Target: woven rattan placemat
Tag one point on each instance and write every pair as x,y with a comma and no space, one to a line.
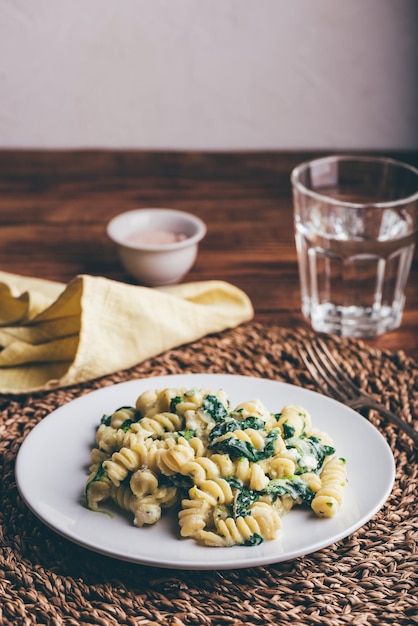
368,578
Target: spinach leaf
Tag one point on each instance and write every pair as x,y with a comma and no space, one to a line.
292,486
174,402
254,540
237,448
106,419
322,450
230,424
288,431
125,426
251,422
310,453
215,408
243,498
184,483
101,473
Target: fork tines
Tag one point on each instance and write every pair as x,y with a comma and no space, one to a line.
327,372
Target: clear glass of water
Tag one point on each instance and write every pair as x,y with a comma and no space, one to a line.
356,222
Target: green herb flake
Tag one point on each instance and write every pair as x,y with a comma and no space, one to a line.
125,426
106,419
188,434
174,402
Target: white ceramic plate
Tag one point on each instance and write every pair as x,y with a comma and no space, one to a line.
51,472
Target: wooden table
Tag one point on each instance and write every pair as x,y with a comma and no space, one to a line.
54,207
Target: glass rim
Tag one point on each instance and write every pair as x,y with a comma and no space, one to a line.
343,203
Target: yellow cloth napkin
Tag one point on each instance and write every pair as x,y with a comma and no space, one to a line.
54,335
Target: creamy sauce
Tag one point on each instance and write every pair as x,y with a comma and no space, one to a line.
304,459
159,237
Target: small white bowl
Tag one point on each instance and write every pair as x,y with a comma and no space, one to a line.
157,246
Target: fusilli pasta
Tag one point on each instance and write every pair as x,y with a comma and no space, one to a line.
232,473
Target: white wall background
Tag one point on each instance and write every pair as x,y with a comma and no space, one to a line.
209,74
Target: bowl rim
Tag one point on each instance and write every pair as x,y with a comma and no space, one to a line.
184,216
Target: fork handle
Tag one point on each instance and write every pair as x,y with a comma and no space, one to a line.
392,417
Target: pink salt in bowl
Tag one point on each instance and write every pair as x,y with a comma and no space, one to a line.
157,246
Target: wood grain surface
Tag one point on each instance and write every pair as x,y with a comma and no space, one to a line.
54,207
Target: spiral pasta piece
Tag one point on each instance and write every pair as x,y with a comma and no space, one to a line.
216,491
197,446
173,460
109,439
98,487
147,510
329,497
295,419
281,466
312,480
143,482
158,424
262,523
123,497
253,408
147,403
323,437
121,463
200,469
193,517
97,457
251,474
143,452
225,464
221,466
249,435
146,507
122,416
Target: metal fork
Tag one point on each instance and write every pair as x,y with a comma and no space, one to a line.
334,382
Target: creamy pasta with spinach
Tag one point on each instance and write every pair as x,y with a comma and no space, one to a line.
231,473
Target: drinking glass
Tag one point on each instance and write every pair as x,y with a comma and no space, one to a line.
355,223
